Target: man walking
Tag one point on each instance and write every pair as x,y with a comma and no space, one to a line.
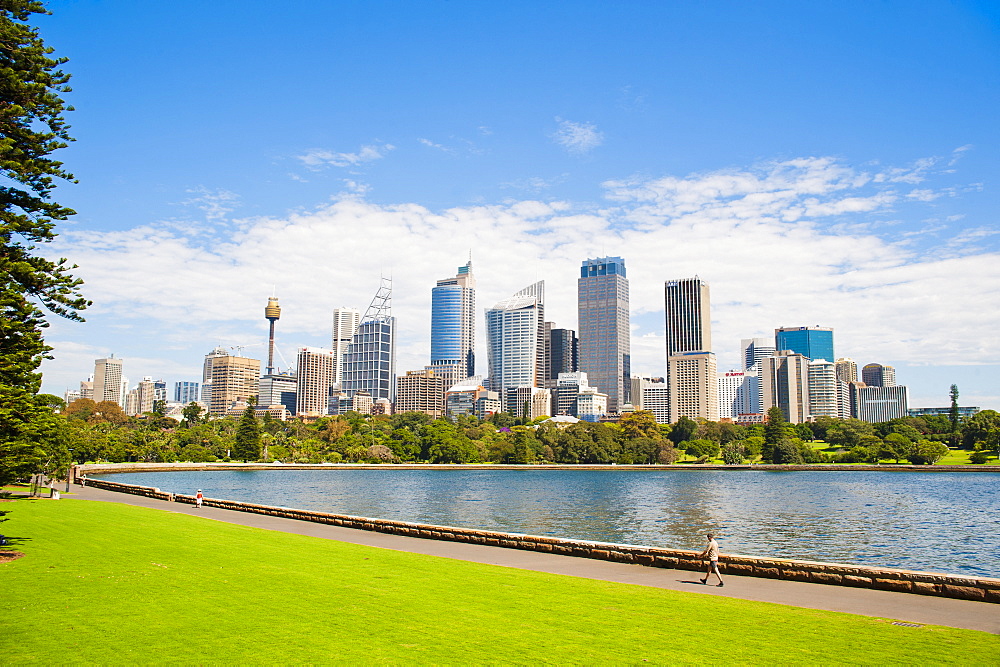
711,552
198,499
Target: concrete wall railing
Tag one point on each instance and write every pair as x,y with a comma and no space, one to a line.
906,581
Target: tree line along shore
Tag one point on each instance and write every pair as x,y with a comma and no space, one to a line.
86,431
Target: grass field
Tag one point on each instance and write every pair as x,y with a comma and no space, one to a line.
109,583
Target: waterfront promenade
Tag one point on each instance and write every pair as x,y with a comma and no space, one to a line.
904,607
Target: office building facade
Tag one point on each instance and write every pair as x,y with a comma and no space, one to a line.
279,389
314,379
603,326
453,323
811,342
370,361
879,404
692,379
877,375
234,379
420,391
752,350
515,346
824,391
108,381
345,324
846,369
561,353
784,382
651,394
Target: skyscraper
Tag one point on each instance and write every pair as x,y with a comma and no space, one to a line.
755,349
453,325
108,381
604,334
561,354
847,370
314,377
345,323
873,375
370,360
206,373
784,382
515,345
186,392
692,379
812,342
234,379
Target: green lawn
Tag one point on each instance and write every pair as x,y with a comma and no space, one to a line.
108,583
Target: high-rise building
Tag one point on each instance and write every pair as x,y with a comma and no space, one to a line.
846,369
604,332
108,381
561,347
692,379
879,404
651,394
345,324
186,392
568,387
314,377
87,388
784,382
234,380
877,375
737,391
752,350
420,391
812,342
515,343
370,360
206,373
279,389
453,322
824,392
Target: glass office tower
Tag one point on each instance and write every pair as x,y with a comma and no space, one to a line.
812,342
604,348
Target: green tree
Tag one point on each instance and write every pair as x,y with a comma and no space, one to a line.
683,430
639,424
247,444
32,127
926,452
776,426
977,427
953,410
191,414
895,446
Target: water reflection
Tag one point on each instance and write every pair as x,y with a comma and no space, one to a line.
928,521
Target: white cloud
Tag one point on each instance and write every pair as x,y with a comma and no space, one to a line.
440,147
577,137
781,244
319,158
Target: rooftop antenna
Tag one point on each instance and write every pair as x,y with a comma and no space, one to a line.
381,305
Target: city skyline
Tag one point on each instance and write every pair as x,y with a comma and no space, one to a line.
808,163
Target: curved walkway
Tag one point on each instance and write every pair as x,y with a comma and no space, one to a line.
904,607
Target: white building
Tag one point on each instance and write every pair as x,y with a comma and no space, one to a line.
345,324
515,341
823,389
591,404
314,377
651,394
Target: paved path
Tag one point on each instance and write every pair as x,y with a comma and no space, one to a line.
886,604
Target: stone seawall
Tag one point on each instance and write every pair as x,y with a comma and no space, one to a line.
906,581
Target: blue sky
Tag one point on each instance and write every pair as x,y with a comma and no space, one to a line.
817,163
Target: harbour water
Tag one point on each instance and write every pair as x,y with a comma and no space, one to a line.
941,522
